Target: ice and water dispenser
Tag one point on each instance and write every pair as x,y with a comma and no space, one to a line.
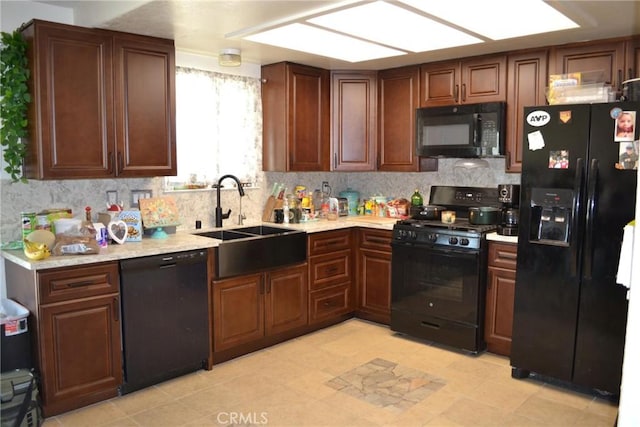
551,213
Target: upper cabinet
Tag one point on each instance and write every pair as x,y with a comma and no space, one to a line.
606,57
398,98
474,80
353,120
526,85
103,103
295,108
632,58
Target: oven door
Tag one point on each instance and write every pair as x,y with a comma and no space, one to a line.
436,282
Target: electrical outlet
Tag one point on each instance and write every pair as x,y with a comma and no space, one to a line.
325,187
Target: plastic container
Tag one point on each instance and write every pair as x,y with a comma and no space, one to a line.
15,340
353,197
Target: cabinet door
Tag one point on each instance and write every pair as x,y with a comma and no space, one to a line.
71,117
606,58
501,285
483,79
286,299
308,106
527,81
238,311
440,83
353,120
398,98
145,106
374,285
81,359
632,59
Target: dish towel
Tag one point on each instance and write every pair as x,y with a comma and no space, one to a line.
626,257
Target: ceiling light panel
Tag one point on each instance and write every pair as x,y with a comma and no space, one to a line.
394,26
497,19
306,38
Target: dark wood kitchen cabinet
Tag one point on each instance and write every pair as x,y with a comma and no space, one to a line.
353,120
501,284
632,58
470,81
248,308
526,86
398,98
296,118
374,275
76,328
604,58
330,276
103,103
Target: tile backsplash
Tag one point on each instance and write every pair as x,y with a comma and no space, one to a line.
195,205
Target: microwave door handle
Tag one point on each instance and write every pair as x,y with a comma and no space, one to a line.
477,131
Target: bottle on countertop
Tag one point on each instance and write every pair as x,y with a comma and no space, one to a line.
416,199
285,210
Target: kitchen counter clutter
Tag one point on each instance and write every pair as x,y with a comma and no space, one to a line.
184,241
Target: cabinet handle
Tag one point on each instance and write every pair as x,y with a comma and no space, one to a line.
620,78
456,92
332,270
380,241
80,284
464,92
335,160
110,162
262,285
508,159
327,304
120,162
268,279
116,309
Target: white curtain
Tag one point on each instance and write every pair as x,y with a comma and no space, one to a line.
218,122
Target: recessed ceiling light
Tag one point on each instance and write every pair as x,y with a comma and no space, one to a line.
498,19
394,26
306,38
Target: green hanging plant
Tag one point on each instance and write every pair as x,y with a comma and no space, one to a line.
14,101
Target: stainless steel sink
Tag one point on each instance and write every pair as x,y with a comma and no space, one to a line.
247,250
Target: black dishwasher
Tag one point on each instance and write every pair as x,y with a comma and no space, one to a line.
165,326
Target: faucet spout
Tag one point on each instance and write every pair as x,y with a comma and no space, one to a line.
219,215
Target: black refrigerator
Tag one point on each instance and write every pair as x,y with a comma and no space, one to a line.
579,173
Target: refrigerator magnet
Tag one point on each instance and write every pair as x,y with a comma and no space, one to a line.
628,156
535,140
625,126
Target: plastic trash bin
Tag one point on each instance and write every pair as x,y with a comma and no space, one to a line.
15,349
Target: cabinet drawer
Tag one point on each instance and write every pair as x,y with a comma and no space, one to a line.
329,303
330,241
68,283
375,239
330,269
503,255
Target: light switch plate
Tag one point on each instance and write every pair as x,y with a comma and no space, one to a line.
136,195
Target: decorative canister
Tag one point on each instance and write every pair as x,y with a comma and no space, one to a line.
353,198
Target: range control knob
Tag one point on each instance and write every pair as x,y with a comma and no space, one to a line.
453,240
432,237
464,242
402,234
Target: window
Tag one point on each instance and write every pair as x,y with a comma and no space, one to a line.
218,122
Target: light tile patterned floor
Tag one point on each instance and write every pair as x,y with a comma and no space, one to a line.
307,381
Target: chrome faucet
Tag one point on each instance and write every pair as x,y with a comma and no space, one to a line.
219,215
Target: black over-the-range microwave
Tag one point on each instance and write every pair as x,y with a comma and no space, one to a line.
471,130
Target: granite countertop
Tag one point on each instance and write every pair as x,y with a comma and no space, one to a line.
184,241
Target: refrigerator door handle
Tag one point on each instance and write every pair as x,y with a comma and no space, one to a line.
592,205
577,207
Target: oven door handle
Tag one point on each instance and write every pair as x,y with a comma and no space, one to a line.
436,249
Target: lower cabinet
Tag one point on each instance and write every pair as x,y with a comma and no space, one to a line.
374,275
248,308
79,336
501,284
330,275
